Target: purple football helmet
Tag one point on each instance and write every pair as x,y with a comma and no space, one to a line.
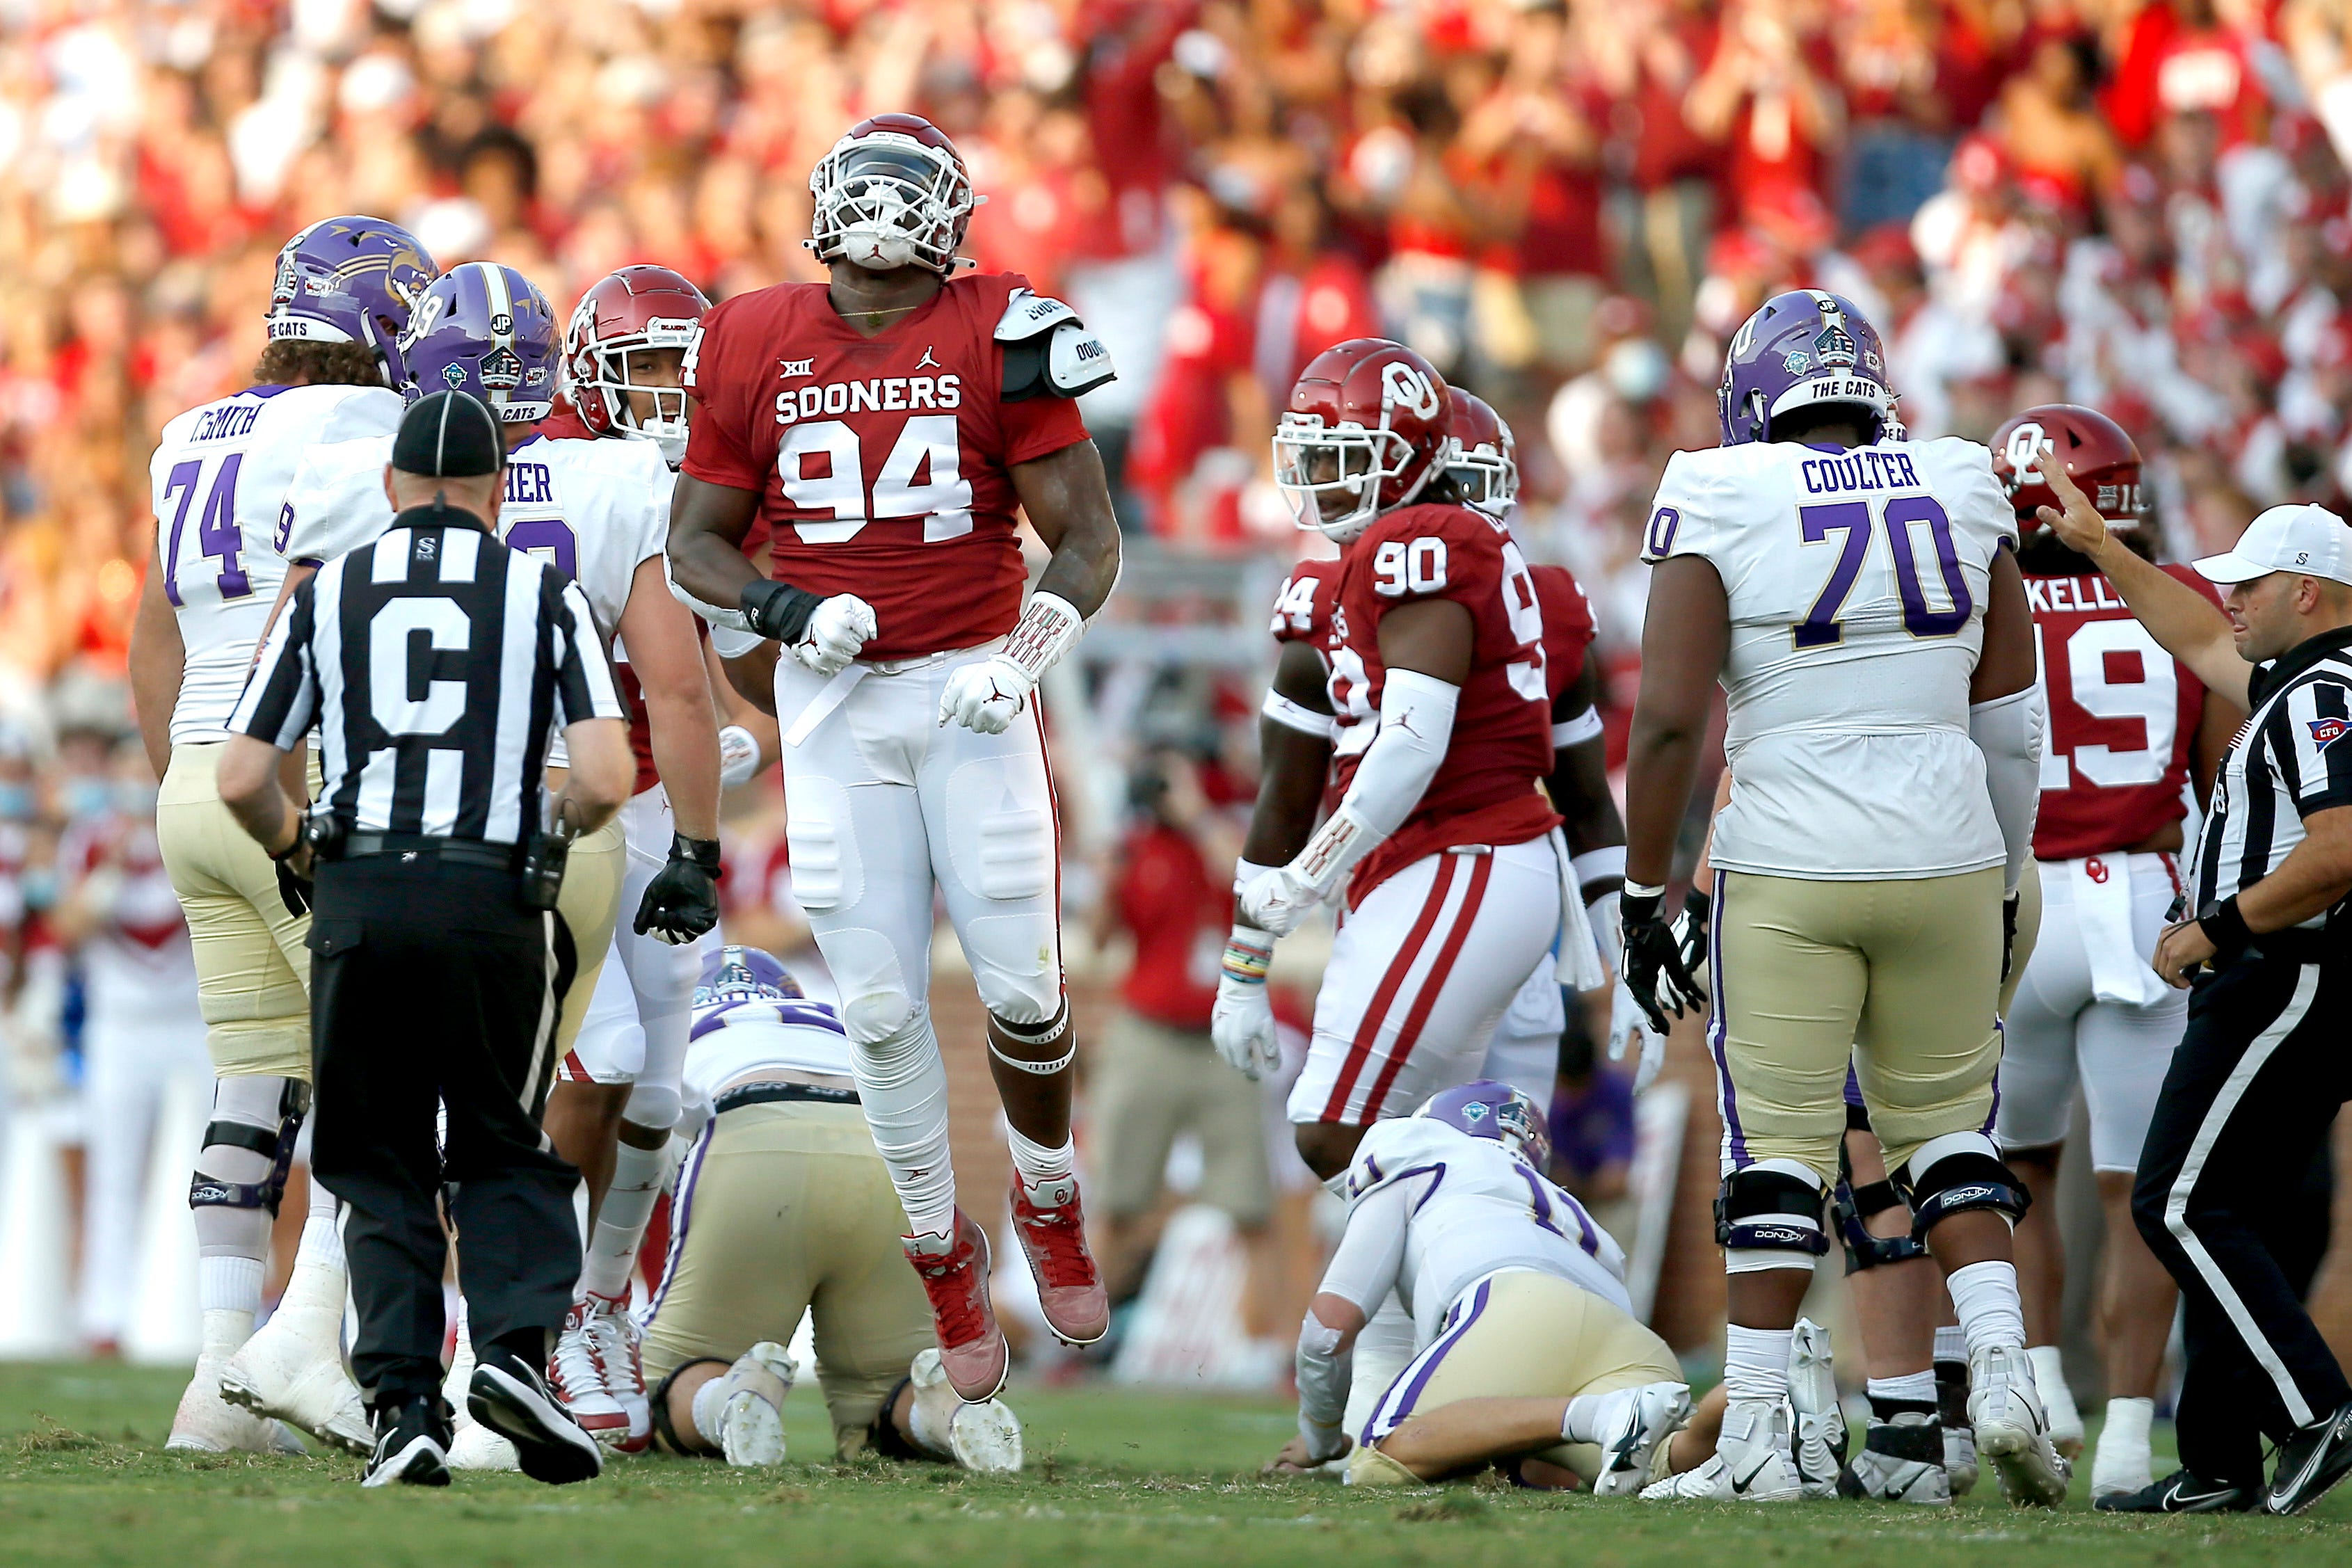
350,280
486,328
1801,349
1485,1109
743,974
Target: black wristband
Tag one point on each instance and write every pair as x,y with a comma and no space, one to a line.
778,610
1633,907
2225,928
703,852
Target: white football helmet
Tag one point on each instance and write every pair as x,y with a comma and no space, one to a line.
891,194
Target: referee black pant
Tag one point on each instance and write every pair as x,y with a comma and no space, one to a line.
432,987
2252,1091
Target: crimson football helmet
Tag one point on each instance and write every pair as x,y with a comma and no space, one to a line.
636,310
1480,454
891,194
1366,428
2100,457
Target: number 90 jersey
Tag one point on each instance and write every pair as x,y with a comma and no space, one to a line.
2123,716
1857,582
1485,791
881,464
220,475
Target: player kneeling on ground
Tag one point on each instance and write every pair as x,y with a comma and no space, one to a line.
1529,1351
784,1206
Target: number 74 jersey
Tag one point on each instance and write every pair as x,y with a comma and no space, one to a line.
219,478
1857,582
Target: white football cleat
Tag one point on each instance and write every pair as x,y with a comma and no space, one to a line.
1902,1460
1817,1422
752,1410
477,1447
207,1424
576,1378
2012,1432
281,1372
983,1437
613,1337
2057,1400
1639,1421
1750,1462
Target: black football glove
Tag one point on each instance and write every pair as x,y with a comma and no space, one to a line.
294,890
1654,968
2008,935
1690,929
682,900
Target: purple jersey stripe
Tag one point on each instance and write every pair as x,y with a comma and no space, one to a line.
1726,1097
681,1216
1397,1404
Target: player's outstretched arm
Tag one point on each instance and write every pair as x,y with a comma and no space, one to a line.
667,655
1068,498
1293,761
2181,618
158,657
1685,638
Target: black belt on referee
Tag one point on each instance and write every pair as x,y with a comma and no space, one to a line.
426,847
769,1093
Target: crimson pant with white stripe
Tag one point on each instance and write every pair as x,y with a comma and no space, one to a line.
2253,1087
1419,974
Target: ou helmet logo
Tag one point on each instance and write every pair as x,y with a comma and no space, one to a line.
1403,386
2024,450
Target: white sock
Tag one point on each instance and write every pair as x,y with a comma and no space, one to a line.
929,1435
1950,1343
315,1290
1985,1297
2128,1422
1038,1163
904,1085
2049,1369
1911,1388
1583,1421
620,1222
229,1289
1755,1363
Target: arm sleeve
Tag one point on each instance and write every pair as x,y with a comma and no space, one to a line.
2319,713
583,678
1370,1256
1325,1373
715,452
281,694
1416,727
2008,730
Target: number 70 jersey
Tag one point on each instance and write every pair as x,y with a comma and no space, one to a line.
1857,582
219,478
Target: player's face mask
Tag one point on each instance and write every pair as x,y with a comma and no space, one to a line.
1332,476
882,206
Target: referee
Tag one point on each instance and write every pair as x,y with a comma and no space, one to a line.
436,663
2256,1081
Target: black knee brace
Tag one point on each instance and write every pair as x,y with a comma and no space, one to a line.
1762,1210
1852,1207
275,1145
666,1430
882,1435
1956,1173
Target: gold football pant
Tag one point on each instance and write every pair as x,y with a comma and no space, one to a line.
1899,978
590,907
783,1207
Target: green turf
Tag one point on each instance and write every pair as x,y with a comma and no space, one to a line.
1115,1478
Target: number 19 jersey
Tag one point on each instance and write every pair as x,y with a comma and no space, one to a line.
1857,582
220,475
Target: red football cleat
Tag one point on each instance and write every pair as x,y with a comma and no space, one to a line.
1053,1232
954,1270
577,1380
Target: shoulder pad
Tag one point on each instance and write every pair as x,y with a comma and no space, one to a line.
1028,314
1066,362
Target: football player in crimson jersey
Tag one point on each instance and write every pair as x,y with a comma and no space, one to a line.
599,510
2129,727
1441,729
885,428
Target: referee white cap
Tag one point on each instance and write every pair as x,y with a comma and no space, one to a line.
2309,540
449,436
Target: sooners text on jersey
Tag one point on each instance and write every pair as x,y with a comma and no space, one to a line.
1485,792
882,464
2123,716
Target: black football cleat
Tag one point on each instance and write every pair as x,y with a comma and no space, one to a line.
2181,1492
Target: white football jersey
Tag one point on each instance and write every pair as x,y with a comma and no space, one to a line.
749,1035
1857,581
220,476
595,510
1477,1208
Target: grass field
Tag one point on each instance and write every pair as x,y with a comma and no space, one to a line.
1114,1477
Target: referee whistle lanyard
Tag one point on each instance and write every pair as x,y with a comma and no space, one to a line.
1579,952
829,696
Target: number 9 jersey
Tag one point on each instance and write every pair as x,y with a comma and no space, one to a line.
882,464
1856,581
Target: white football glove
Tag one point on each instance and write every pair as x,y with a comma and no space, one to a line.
988,695
1626,1027
1278,900
837,629
739,755
1241,1024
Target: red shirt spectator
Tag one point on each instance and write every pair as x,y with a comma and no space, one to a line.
1178,915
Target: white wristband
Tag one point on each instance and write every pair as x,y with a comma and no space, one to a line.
1594,864
1298,716
1047,629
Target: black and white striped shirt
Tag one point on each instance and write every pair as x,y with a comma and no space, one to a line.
436,663
2293,757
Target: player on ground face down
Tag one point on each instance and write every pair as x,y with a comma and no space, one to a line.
1447,855
883,428
1530,1354
599,512
2129,727
1855,596
342,295
785,1206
